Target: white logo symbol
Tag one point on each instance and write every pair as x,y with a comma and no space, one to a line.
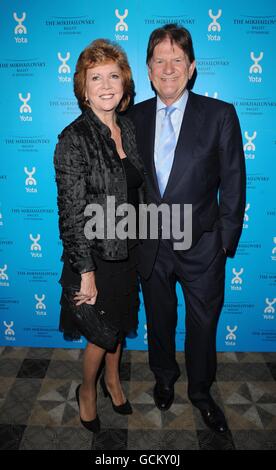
246,216
274,250
121,26
269,308
237,279
9,330
231,336
3,275
215,94
40,305
214,26
256,67
30,181
249,144
25,108
64,68
146,334
35,246
20,28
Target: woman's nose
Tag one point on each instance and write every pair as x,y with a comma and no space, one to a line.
106,83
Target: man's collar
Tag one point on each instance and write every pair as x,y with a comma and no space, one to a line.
179,104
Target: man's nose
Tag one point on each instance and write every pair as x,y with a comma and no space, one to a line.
168,67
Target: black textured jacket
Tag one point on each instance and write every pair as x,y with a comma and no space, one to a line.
88,169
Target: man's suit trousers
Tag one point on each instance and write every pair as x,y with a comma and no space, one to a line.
204,297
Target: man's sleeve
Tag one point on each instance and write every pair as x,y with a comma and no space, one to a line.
232,191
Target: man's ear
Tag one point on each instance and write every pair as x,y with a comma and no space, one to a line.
192,67
149,72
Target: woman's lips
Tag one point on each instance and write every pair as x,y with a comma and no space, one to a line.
107,96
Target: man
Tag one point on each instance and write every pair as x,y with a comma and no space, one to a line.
193,154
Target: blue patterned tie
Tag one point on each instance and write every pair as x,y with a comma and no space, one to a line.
165,154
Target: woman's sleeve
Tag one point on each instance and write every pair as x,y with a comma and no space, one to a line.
71,168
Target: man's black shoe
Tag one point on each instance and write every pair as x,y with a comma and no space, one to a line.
163,396
214,419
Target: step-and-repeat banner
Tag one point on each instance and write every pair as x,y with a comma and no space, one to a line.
40,43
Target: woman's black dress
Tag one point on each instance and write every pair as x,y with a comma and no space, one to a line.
116,281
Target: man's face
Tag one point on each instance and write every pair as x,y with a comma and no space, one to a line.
169,71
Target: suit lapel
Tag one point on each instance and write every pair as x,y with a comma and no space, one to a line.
190,127
148,138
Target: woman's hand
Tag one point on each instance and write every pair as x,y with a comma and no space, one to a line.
88,290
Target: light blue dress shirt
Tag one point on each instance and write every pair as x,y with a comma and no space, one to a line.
176,118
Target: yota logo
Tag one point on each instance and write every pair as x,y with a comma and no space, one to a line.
64,68
146,334
246,216
255,68
35,246
236,281
25,108
231,337
40,306
273,255
3,274
30,182
121,25
250,147
269,309
4,278
214,26
9,332
249,144
20,28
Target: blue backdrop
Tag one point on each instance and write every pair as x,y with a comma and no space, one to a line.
40,43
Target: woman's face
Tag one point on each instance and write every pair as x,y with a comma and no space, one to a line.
104,87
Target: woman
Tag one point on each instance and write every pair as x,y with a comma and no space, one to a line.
96,157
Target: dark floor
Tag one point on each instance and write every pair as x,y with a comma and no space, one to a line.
38,408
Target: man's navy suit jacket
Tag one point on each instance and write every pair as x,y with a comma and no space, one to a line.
208,172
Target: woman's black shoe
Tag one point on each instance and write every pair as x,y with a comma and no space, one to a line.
124,409
94,425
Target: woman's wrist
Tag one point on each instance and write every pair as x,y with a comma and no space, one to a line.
88,275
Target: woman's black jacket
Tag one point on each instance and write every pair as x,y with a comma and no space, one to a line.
88,169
